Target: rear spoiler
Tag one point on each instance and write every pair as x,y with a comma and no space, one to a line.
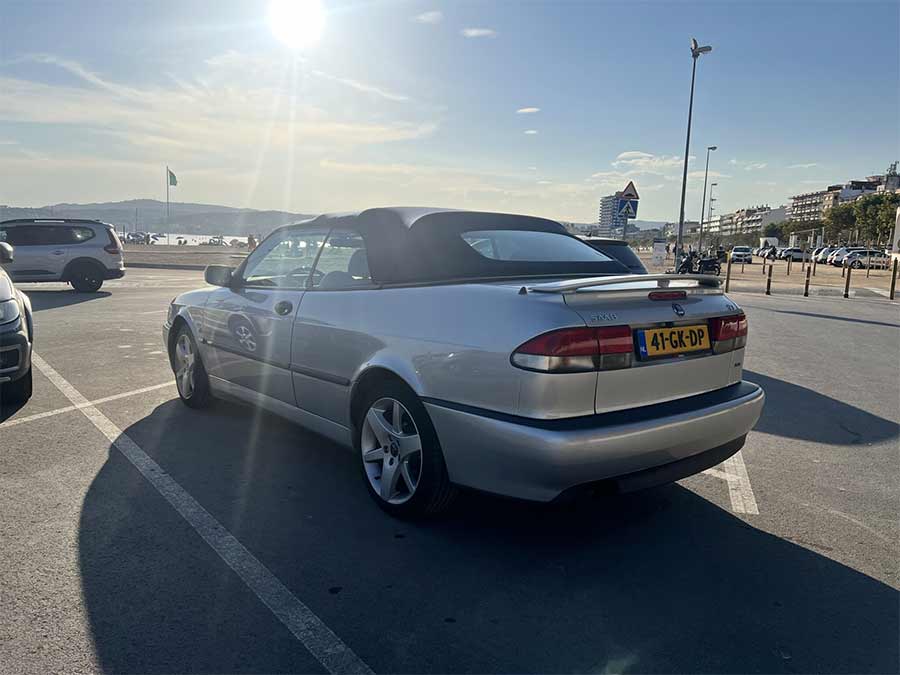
662,281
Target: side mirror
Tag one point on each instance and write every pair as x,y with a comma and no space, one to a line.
218,275
6,252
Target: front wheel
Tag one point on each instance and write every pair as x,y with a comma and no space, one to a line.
191,379
400,454
86,279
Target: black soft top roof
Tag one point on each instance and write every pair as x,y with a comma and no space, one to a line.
423,245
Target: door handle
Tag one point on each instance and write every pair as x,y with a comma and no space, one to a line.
283,308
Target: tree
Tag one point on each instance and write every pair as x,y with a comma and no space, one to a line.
840,220
875,215
773,230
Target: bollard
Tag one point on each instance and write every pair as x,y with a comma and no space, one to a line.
728,274
790,260
806,285
894,278
847,282
769,282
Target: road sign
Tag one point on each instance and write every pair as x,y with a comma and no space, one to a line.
627,208
629,192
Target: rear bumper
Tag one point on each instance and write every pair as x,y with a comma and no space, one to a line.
630,449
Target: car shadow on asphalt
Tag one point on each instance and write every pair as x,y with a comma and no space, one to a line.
7,410
41,300
817,417
658,581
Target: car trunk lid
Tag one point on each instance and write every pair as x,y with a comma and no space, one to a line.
673,322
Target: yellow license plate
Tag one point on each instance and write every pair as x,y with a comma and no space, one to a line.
678,340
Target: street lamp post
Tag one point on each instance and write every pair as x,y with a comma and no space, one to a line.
711,148
708,217
696,51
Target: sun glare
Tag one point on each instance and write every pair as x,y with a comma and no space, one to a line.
296,23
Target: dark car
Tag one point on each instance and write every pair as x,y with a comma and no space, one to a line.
618,250
16,337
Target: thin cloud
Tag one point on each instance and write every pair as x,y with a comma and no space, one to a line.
478,32
646,161
362,86
808,165
527,111
432,17
530,132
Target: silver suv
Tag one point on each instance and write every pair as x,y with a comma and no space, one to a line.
82,252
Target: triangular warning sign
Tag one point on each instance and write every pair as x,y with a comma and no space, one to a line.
629,192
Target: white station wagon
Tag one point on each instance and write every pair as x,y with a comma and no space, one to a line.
490,351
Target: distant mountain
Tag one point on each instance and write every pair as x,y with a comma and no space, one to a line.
647,224
149,215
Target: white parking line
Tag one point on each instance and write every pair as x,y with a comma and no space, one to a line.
69,408
321,642
734,472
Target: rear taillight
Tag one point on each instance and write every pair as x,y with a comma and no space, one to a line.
728,333
576,350
114,245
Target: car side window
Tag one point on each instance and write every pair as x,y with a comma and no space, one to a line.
343,263
21,235
284,260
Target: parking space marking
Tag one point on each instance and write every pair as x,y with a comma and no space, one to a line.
322,643
734,473
69,408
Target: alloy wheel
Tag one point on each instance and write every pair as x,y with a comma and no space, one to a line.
391,451
184,365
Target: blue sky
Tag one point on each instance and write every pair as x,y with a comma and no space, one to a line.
416,103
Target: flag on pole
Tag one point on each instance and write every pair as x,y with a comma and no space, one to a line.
172,179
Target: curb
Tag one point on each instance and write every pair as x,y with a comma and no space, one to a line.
165,266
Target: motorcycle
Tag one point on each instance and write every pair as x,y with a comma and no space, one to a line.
692,263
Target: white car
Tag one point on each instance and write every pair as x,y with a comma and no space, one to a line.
837,257
742,254
868,258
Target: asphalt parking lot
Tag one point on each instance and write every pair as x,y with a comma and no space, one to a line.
782,560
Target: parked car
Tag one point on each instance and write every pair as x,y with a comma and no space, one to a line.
492,351
16,336
794,253
822,256
83,253
872,258
741,254
837,257
618,249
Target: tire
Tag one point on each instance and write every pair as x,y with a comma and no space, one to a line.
431,492
191,379
86,278
17,391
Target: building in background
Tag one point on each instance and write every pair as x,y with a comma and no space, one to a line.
610,223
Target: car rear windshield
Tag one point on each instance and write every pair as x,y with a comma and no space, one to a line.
527,246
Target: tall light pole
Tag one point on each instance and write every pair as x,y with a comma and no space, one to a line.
709,149
708,217
696,51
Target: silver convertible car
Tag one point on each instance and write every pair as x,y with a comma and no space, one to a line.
454,348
